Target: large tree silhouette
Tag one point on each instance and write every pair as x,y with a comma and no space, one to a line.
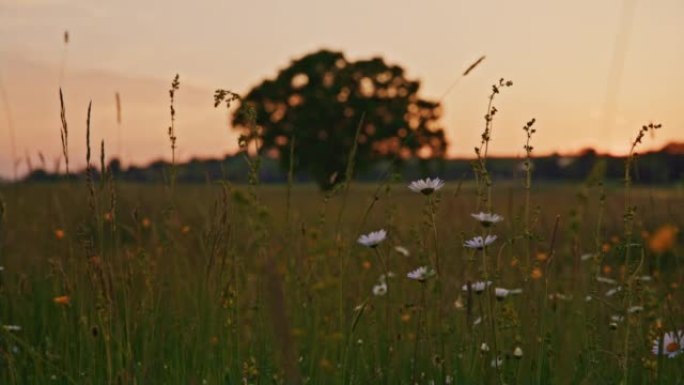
320,100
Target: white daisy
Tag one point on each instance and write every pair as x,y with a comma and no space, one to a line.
383,277
587,256
380,289
12,328
613,291
606,280
497,363
484,347
487,219
480,243
402,250
426,186
560,297
373,239
477,321
421,274
672,344
478,287
635,309
518,352
502,293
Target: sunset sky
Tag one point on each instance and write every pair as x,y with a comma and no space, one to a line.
591,72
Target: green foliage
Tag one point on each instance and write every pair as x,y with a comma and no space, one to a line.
201,294
319,99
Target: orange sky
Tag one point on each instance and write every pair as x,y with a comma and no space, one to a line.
561,56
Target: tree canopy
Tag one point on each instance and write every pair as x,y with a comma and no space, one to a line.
322,98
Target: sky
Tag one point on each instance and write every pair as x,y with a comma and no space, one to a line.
591,72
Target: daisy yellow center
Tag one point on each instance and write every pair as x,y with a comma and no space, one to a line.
672,347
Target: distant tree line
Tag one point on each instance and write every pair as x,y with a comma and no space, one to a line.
659,167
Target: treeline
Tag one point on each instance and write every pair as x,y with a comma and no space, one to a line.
659,167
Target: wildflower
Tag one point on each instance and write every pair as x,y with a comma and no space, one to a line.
62,300
609,281
421,274
645,278
587,256
380,289
560,297
484,347
480,243
373,239
635,309
487,219
477,321
146,222
617,318
517,352
426,186
366,265
498,362
613,291
663,239
502,293
59,234
536,273
402,250
672,344
12,328
384,277
185,229
478,287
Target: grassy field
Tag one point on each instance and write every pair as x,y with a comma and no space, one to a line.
222,284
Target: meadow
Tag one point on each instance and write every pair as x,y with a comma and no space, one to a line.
113,283
472,281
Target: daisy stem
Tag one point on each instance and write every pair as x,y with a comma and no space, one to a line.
418,324
628,305
438,283
382,261
659,359
432,204
388,303
490,308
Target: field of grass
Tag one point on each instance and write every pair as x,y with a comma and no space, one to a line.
221,284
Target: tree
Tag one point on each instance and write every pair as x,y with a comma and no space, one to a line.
320,99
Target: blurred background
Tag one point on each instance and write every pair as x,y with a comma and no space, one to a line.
591,73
